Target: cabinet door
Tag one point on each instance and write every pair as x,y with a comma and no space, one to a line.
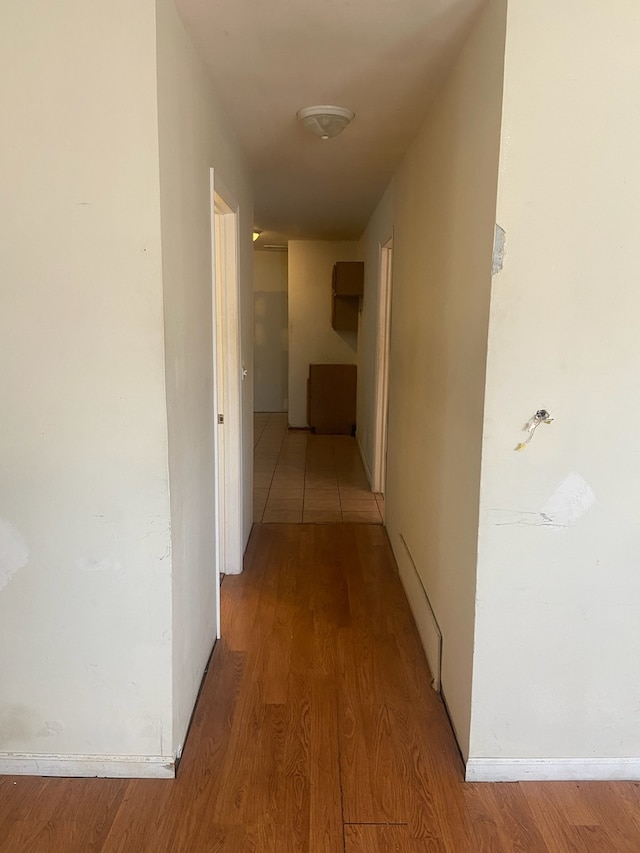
348,278
344,313
332,398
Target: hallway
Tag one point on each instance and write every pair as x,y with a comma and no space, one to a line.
317,731
301,477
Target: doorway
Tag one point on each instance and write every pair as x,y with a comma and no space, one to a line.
382,368
227,371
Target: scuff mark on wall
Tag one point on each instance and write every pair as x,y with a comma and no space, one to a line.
153,728
17,723
101,564
14,554
51,728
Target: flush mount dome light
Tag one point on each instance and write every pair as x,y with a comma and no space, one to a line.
325,120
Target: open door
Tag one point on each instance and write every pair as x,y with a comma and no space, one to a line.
227,374
382,368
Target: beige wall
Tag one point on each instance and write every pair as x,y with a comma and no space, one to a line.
194,136
107,588
271,332
557,639
378,232
85,618
444,200
311,338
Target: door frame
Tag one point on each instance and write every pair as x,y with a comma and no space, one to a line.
227,378
383,348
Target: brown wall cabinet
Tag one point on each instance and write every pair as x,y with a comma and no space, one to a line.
347,286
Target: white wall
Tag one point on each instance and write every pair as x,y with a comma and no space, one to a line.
444,199
85,619
557,639
194,136
271,332
311,338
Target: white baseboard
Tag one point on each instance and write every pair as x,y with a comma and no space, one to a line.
553,770
113,766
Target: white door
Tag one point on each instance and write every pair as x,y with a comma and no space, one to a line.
227,382
382,367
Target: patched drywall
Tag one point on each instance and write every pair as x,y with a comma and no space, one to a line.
572,498
569,502
499,248
14,553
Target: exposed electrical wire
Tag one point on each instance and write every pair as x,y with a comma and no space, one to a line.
542,416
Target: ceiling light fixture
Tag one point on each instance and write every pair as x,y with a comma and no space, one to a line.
256,234
325,120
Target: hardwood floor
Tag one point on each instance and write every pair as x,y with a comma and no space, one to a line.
317,731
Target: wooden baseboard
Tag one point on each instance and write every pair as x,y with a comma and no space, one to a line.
552,769
111,766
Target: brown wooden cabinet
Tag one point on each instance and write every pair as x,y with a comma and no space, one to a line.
331,402
347,286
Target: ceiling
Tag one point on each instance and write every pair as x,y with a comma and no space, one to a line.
383,59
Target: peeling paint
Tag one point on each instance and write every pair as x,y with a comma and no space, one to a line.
14,554
499,241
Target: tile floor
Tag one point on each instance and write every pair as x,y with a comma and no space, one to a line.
299,477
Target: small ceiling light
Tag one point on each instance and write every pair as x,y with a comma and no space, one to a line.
256,234
325,120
